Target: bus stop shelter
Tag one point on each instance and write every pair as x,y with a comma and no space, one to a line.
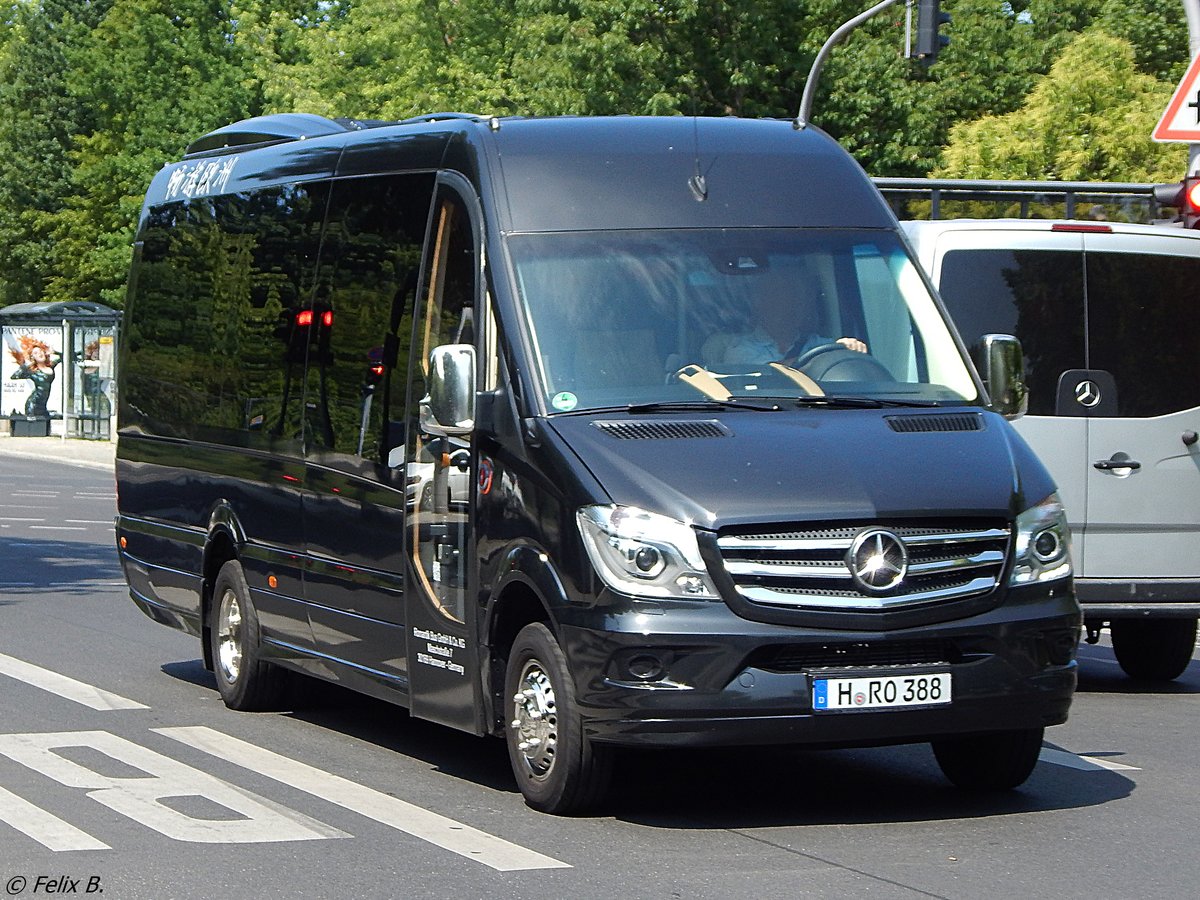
58,368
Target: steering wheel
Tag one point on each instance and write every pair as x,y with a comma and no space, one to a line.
813,352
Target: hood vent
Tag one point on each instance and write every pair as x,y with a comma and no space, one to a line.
660,430
935,423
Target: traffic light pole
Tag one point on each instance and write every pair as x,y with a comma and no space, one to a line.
810,86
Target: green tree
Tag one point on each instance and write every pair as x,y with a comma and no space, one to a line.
156,74
1089,120
42,117
1157,29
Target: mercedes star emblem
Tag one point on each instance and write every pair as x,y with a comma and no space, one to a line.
1087,393
878,561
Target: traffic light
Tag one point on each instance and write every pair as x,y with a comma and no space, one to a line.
1185,197
930,19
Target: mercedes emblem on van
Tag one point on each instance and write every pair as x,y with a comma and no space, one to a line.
1087,393
878,561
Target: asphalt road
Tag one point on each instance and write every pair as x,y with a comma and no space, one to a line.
121,772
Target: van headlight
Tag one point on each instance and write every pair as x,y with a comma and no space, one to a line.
644,554
1043,543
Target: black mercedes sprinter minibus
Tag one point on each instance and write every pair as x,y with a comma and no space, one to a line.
587,432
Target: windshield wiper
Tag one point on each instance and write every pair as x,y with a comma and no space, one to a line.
702,405
844,402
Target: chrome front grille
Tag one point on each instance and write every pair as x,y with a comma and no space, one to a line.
811,569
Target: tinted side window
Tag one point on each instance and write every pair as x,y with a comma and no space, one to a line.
213,353
1144,320
370,259
1036,295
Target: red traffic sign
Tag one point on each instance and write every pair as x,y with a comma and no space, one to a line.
1181,120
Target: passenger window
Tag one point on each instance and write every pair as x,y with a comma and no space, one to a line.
1036,295
213,351
889,331
1144,323
358,362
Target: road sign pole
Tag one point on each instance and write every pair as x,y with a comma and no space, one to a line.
1192,9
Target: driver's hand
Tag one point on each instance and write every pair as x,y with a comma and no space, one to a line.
853,344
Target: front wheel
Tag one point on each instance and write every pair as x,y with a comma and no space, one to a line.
557,768
998,761
1153,649
245,681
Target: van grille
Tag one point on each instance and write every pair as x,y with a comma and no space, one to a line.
935,423
810,568
859,654
659,430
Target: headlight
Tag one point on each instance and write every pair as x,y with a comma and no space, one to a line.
644,554
1043,543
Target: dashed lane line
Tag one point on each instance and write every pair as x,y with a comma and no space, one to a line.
1083,763
47,829
68,688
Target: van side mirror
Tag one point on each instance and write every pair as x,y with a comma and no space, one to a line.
449,407
1002,365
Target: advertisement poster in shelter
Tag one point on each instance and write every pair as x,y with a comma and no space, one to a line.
29,369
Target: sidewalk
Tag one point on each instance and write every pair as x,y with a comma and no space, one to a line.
93,454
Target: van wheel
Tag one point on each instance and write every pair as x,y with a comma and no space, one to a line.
557,768
244,680
998,761
1153,649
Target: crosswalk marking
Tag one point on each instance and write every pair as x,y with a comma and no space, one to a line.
407,817
65,687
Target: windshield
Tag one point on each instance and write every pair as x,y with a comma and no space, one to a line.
646,317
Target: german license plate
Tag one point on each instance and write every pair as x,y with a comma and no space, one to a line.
881,692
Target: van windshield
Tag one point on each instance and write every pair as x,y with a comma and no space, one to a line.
663,316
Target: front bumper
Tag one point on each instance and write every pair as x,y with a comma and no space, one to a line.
704,677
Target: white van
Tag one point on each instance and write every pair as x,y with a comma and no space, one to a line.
1109,318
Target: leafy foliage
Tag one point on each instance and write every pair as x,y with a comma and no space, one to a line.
99,94
1087,120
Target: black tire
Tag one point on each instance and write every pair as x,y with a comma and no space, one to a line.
998,761
1153,649
245,681
563,772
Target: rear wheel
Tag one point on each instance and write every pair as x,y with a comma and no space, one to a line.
557,768
1153,649
245,681
997,761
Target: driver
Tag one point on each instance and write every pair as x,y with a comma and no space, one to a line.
756,347
766,322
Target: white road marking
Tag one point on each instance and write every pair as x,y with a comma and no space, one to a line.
16,519
407,817
1083,763
45,828
88,521
57,528
159,778
63,686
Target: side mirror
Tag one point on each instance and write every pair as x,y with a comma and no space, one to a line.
1002,365
449,407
